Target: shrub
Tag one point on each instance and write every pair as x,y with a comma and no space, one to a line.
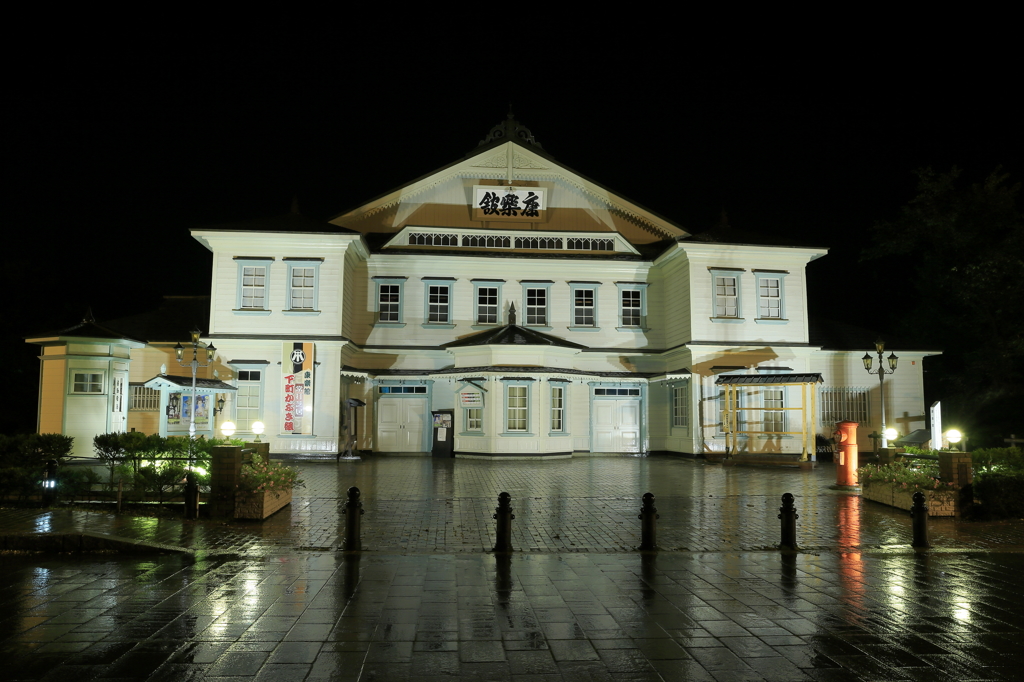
1001,493
262,475
997,459
924,478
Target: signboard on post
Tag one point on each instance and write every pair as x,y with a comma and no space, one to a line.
298,364
936,414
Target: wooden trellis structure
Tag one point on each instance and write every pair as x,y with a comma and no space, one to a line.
734,384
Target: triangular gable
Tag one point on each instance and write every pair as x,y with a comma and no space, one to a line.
452,196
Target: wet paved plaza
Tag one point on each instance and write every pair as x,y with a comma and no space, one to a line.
277,600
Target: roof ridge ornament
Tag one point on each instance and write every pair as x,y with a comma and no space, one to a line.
512,129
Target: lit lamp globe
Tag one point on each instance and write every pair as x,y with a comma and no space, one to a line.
891,434
257,428
228,429
954,436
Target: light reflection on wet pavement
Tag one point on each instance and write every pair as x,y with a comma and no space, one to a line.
276,599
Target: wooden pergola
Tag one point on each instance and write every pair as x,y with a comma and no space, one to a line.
733,384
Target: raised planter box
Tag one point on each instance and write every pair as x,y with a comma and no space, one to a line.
260,505
939,503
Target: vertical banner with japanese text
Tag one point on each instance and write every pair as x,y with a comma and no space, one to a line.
297,366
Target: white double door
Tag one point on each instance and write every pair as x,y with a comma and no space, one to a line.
400,424
617,425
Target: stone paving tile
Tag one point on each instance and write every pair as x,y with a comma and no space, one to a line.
577,505
866,626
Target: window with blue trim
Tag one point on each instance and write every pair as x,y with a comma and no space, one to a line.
303,284
557,408
487,300
583,315
537,295
727,290
517,407
632,306
253,284
771,296
388,302
438,301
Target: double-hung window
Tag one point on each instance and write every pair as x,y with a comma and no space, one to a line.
557,408
517,406
253,284
537,294
583,314
438,292
726,285
487,300
774,416
771,296
303,284
389,300
632,306
681,405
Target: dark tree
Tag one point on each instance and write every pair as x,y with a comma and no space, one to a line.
962,247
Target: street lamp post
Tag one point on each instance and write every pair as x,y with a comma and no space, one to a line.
195,364
893,360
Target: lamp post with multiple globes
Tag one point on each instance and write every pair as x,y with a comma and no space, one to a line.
892,360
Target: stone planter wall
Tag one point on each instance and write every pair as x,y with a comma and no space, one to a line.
260,505
939,504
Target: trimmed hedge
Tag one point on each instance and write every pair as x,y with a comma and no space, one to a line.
1001,494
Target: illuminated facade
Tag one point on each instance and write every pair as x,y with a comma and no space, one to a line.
548,314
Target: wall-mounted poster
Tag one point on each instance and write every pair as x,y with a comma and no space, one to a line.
202,411
173,408
298,364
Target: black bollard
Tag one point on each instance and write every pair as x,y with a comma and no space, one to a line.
648,523
191,496
353,510
919,512
787,512
503,514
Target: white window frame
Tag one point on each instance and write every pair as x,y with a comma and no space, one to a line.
721,295
773,421
447,284
254,263
244,386
764,279
142,399
383,313
304,264
536,315
478,286
557,395
681,404
637,301
87,386
474,423
574,325
517,407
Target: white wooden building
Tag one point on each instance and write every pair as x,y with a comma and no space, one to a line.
551,315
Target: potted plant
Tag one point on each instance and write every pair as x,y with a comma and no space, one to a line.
264,488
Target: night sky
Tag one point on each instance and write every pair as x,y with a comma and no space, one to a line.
116,153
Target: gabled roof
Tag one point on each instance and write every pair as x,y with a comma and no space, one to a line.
487,161
87,328
186,382
511,335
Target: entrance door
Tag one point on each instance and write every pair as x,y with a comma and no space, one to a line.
617,425
400,424
119,409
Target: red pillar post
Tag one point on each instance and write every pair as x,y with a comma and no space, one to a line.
846,467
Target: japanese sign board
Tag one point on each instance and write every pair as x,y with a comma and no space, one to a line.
471,399
519,204
297,365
